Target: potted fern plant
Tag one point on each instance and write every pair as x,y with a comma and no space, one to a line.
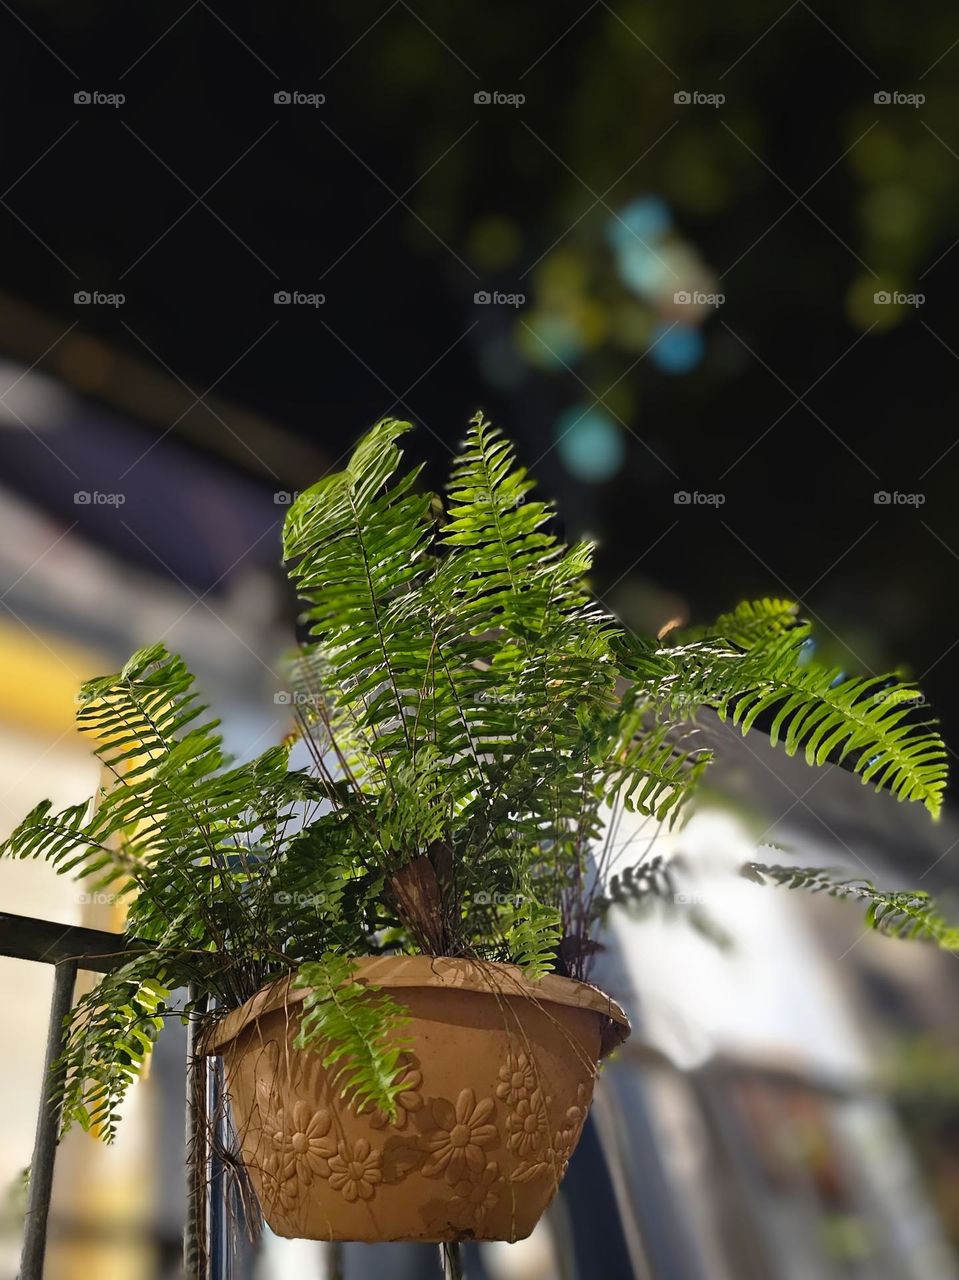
395,938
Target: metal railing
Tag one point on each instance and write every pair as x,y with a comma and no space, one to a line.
206,1246
70,948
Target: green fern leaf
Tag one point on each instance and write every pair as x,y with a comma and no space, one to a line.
533,931
358,1028
900,914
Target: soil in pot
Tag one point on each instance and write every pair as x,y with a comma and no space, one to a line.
498,1080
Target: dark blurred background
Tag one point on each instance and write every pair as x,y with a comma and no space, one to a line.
699,261
798,198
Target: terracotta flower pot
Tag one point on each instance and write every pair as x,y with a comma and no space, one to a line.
499,1078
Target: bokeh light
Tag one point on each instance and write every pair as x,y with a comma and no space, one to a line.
549,339
590,443
643,268
645,218
677,349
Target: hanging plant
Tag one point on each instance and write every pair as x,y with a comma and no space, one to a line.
395,940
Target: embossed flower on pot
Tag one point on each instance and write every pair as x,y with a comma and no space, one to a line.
457,1145
526,1124
356,1170
303,1138
280,1185
473,1196
517,1078
409,1100
554,1160
566,1136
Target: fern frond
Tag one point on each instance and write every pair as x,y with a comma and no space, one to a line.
866,724
143,720
900,914
355,542
111,1032
755,622
533,931
358,1028
502,572
48,835
649,770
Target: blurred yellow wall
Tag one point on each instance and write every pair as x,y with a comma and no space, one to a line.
106,1191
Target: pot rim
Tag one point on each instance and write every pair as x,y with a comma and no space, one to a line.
452,972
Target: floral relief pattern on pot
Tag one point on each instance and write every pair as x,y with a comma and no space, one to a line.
517,1078
526,1124
301,1145
356,1170
473,1197
555,1158
518,1129
456,1145
281,1188
303,1141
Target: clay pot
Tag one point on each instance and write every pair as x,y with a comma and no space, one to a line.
499,1078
